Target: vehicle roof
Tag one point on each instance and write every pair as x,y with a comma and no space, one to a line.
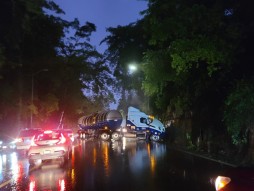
29,132
65,130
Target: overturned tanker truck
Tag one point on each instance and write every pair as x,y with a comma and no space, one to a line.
112,125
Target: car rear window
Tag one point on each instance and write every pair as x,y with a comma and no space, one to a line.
48,136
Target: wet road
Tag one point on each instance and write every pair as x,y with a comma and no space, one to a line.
98,165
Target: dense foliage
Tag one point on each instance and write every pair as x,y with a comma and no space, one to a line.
47,67
126,47
197,66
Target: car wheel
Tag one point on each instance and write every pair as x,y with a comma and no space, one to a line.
70,153
154,137
105,136
62,161
116,136
36,162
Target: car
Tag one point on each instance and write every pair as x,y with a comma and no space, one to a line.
23,141
7,143
49,145
68,132
239,178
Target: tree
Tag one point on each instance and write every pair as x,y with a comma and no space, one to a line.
35,38
204,49
22,53
126,45
192,57
81,57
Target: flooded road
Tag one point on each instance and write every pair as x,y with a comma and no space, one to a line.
121,165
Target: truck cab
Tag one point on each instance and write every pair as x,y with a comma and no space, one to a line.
140,122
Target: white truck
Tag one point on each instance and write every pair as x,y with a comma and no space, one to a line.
112,125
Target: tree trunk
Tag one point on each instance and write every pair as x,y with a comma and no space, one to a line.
249,158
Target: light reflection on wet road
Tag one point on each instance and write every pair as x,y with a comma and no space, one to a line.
98,165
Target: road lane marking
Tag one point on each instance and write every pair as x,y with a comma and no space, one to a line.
5,183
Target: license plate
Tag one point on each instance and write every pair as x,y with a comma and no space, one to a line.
46,152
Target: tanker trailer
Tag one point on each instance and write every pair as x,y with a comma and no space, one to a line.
101,124
111,124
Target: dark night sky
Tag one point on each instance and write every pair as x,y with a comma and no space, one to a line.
103,13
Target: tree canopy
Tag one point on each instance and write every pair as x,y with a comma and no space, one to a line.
50,59
196,63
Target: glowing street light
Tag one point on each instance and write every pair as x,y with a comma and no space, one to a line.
32,95
132,68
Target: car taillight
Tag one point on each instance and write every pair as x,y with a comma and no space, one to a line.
221,182
62,139
33,142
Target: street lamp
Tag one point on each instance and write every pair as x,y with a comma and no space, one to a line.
32,94
132,68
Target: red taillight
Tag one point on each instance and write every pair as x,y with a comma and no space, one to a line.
62,139
33,142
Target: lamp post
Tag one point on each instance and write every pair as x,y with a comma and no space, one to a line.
32,94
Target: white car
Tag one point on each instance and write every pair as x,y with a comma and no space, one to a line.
23,141
49,145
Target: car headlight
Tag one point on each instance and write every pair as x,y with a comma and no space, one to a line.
221,182
124,130
1,142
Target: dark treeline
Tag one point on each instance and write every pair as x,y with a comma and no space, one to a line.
47,67
194,69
